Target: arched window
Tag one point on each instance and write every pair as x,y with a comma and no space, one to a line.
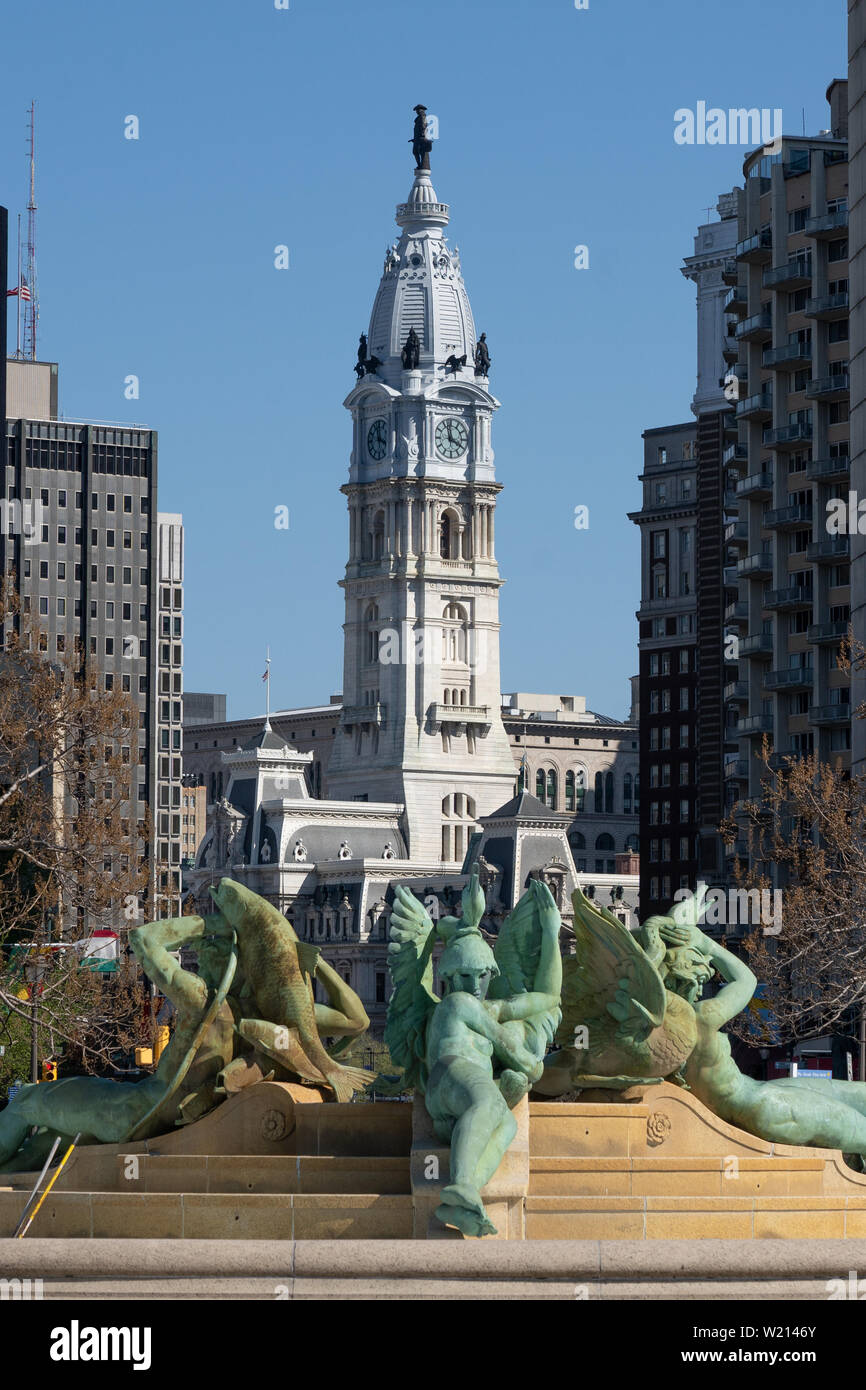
636,792
379,536
551,788
605,842
455,627
626,794
580,788
213,786
608,793
539,784
569,791
577,840
599,793
633,843
445,529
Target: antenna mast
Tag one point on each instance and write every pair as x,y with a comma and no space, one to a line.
31,300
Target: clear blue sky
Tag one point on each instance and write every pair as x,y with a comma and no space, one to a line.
261,127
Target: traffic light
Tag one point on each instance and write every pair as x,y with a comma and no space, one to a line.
49,1071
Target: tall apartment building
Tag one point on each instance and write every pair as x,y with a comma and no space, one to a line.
667,620
790,309
86,566
857,348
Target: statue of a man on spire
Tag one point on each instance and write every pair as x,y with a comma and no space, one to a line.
421,145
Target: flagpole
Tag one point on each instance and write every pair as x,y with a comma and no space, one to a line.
268,689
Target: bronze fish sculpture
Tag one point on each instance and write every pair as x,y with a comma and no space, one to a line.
279,970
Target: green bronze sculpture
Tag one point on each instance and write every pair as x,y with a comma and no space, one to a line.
474,1053
252,998
278,971
623,1024
183,1083
791,1110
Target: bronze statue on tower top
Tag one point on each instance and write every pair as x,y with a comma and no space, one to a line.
421,145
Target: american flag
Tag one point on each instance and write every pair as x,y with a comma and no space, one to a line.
24,290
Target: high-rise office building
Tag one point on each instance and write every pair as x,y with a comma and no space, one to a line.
687,497
82,542
667,620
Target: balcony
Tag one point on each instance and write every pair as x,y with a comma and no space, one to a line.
730,347
756,485
830,716
736,690
789,436
788,355
794,275
756,329
757,407
755,725
738,612
737,768
737,301
790,678
758,565
730,271
828,388
791,597
737,532
828,551
363,716
828,633
758,646
828,225
757,249
788,518
729,427
827,306
829,470
735,454
460,714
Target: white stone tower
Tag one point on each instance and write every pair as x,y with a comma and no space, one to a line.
421,720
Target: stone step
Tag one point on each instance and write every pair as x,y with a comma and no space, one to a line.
576,1176
695,1218
214,1215
301,1173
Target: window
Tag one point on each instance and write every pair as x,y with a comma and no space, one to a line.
626,794
660,541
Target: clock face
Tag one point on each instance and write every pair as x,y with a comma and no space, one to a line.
452,437
377,439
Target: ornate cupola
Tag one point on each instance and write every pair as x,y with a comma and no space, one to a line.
421,714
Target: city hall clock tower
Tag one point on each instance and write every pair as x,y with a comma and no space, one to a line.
421,721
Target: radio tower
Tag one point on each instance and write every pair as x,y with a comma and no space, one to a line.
31,301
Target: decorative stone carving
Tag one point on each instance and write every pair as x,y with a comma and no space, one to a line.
345,851
658,1127
299,853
